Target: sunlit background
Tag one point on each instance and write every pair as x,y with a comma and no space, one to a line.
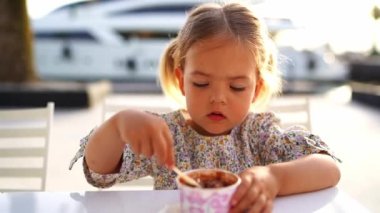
344,25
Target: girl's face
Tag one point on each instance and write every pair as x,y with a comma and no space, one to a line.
219,83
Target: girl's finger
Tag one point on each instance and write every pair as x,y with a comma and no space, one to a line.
135,146
249,199
268,207
170,149
159,149
240,191
259,204
146,148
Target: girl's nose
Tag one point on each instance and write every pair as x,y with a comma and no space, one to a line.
218,97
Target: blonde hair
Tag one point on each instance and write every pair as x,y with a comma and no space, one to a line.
230,19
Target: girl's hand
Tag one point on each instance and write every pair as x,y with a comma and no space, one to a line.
146,134
256,192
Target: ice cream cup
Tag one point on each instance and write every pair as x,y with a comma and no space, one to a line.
218,186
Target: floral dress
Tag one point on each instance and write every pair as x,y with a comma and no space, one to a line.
258,141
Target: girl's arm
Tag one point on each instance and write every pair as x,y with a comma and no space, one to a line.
105,148
309,173
261,184
147,134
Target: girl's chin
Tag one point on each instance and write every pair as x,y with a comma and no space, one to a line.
210,130
214,132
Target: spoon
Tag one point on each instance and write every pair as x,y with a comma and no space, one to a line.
190,181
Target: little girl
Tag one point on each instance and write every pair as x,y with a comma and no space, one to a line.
222,63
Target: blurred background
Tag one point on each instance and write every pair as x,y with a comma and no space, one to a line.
109,50
316,39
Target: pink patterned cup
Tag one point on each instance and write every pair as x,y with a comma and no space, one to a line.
218,186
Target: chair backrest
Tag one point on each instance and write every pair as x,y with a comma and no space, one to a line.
292,111
24,141
152,104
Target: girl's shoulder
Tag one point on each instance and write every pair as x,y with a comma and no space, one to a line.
261,119
174,117
257,123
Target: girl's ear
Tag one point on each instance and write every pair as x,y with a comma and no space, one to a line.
258,89
179,74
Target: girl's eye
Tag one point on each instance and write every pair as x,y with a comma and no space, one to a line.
200,84
237,89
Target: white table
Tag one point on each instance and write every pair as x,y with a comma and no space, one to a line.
328,200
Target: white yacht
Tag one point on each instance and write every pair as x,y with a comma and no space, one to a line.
123,40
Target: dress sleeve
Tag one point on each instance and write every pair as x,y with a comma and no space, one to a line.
132,167
278,145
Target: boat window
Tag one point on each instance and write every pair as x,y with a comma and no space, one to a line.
78,35
146,34
156,9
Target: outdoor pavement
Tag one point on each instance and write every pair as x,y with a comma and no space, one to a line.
351,129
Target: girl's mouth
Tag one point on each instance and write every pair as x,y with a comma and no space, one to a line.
216,116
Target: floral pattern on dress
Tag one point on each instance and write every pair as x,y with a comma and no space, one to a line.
257,141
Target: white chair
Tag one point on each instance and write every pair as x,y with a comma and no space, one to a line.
292,111
24,141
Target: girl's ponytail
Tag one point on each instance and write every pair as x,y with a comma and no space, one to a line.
169,62
269,75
